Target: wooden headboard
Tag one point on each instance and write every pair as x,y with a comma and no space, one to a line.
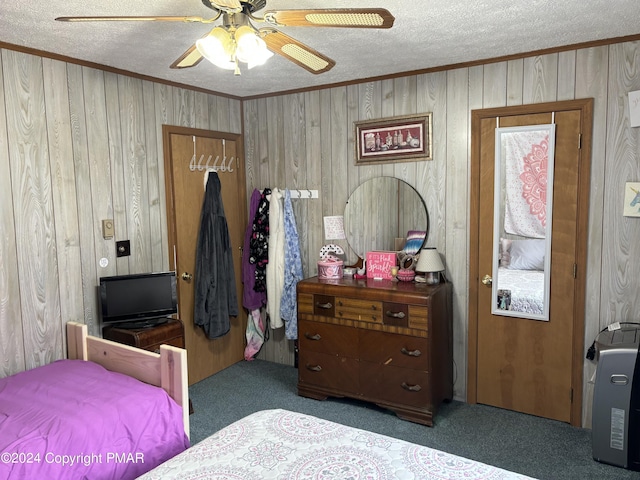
167,370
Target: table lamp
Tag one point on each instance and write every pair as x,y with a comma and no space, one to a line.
430,263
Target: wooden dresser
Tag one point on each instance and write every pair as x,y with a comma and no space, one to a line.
385,342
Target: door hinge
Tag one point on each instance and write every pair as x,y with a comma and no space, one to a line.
579,141
575,270
571,395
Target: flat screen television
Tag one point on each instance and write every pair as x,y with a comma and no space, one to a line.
138,300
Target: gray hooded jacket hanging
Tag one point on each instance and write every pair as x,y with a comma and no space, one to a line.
215,290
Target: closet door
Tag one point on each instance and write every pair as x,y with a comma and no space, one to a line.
187,152
515,361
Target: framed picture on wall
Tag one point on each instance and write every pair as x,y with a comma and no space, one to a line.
632,199
396,139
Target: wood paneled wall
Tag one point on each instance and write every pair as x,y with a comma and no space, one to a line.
306,140
79,145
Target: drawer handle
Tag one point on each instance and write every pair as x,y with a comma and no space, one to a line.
314,368
395,314
315,336
326,306
411,353
411,388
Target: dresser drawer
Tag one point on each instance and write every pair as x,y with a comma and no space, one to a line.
392,349
327,338
328,371
305,304
359,310
174,342
418,317
395,314
391,384
324,305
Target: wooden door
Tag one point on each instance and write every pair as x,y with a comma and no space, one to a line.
521,364
185,192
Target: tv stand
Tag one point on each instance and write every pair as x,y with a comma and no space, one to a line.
169,331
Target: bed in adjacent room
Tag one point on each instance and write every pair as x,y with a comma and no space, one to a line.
280,444
526,288
109,411
521,274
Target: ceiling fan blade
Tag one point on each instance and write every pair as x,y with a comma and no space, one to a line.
224,5
332,17
300,54
136,19
190,58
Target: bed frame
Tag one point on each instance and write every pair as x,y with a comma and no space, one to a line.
167,370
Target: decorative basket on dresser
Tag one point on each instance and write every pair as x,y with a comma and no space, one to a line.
380,341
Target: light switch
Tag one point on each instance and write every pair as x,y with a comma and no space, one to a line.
107,229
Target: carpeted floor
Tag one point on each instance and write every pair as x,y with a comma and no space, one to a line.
533,446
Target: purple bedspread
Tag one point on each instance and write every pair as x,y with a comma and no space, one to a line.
76,420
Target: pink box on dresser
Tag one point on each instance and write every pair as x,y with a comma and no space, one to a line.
379,264
329,269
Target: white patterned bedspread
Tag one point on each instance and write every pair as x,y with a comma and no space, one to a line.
527,289
279,444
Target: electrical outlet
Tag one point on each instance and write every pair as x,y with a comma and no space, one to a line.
123,248
107,229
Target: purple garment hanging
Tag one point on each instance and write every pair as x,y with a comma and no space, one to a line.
251,299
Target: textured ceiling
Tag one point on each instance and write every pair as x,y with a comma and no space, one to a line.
426,34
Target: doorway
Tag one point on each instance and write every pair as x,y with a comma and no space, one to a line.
516,363
187,152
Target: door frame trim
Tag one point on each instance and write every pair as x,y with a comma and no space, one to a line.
586,120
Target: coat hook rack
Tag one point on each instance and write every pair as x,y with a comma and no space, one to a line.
304,193
199,165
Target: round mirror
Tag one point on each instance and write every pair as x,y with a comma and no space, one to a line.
381,210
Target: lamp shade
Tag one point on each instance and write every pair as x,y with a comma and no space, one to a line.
429,261
251,49
218,48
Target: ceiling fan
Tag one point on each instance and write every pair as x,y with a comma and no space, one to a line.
237,39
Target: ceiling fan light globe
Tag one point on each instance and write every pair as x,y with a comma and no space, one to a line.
217,47
251,48
260,56
247,43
